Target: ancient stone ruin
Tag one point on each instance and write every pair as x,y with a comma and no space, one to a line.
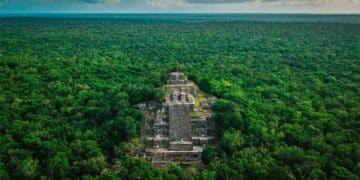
177,130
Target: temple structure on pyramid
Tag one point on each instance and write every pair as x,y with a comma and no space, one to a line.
177,130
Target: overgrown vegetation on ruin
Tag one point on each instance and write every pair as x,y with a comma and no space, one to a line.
289,96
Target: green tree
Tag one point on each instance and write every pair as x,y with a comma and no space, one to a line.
208,154
232,141
27,169
58,166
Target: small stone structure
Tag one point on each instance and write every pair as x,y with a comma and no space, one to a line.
177,130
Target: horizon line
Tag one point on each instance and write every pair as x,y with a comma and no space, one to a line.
150,12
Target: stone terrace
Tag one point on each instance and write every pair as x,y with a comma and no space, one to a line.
177,130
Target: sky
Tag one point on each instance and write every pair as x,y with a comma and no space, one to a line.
181,6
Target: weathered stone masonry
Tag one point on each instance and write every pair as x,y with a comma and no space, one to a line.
177,130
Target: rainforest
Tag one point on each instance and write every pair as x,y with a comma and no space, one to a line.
288,96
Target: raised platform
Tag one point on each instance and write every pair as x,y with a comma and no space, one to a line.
181,146
163,156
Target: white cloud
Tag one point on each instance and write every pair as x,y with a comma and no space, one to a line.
282,6
167,3
223,6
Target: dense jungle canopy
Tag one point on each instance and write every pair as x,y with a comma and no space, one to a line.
288,108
